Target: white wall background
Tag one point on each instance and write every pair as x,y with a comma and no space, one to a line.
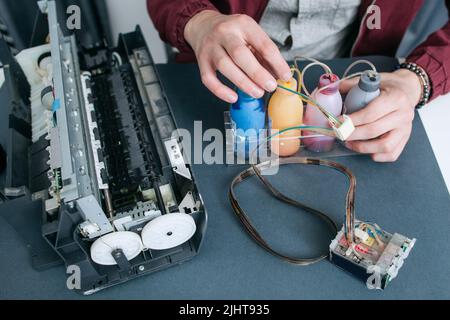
125,15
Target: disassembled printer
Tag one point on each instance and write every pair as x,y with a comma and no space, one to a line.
96,148
93,152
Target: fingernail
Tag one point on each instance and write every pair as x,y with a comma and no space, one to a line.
232,98
256,93
287,76
271,85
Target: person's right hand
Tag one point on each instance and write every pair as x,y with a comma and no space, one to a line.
237,47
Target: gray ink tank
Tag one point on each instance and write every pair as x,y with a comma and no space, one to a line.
359,96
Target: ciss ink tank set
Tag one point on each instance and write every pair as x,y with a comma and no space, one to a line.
298,127
253,120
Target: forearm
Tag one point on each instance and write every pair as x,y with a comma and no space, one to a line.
171,17
433,56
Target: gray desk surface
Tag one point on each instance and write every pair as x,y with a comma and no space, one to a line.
408,196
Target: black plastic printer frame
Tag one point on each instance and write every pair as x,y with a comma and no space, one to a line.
61,231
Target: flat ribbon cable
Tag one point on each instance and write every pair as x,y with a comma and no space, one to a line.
256,170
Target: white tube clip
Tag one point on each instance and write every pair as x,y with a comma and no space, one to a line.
345,129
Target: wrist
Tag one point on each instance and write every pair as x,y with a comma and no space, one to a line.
191,28
413,84
424,81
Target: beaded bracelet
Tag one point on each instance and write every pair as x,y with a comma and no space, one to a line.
425,81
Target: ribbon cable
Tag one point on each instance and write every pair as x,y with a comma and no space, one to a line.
255,170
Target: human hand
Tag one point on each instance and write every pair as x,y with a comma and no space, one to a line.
384,126
237,47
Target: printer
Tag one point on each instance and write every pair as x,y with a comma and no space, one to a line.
92,172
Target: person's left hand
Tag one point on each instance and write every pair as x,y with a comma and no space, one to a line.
383,127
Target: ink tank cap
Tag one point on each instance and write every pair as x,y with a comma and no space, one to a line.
327,79
369,81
